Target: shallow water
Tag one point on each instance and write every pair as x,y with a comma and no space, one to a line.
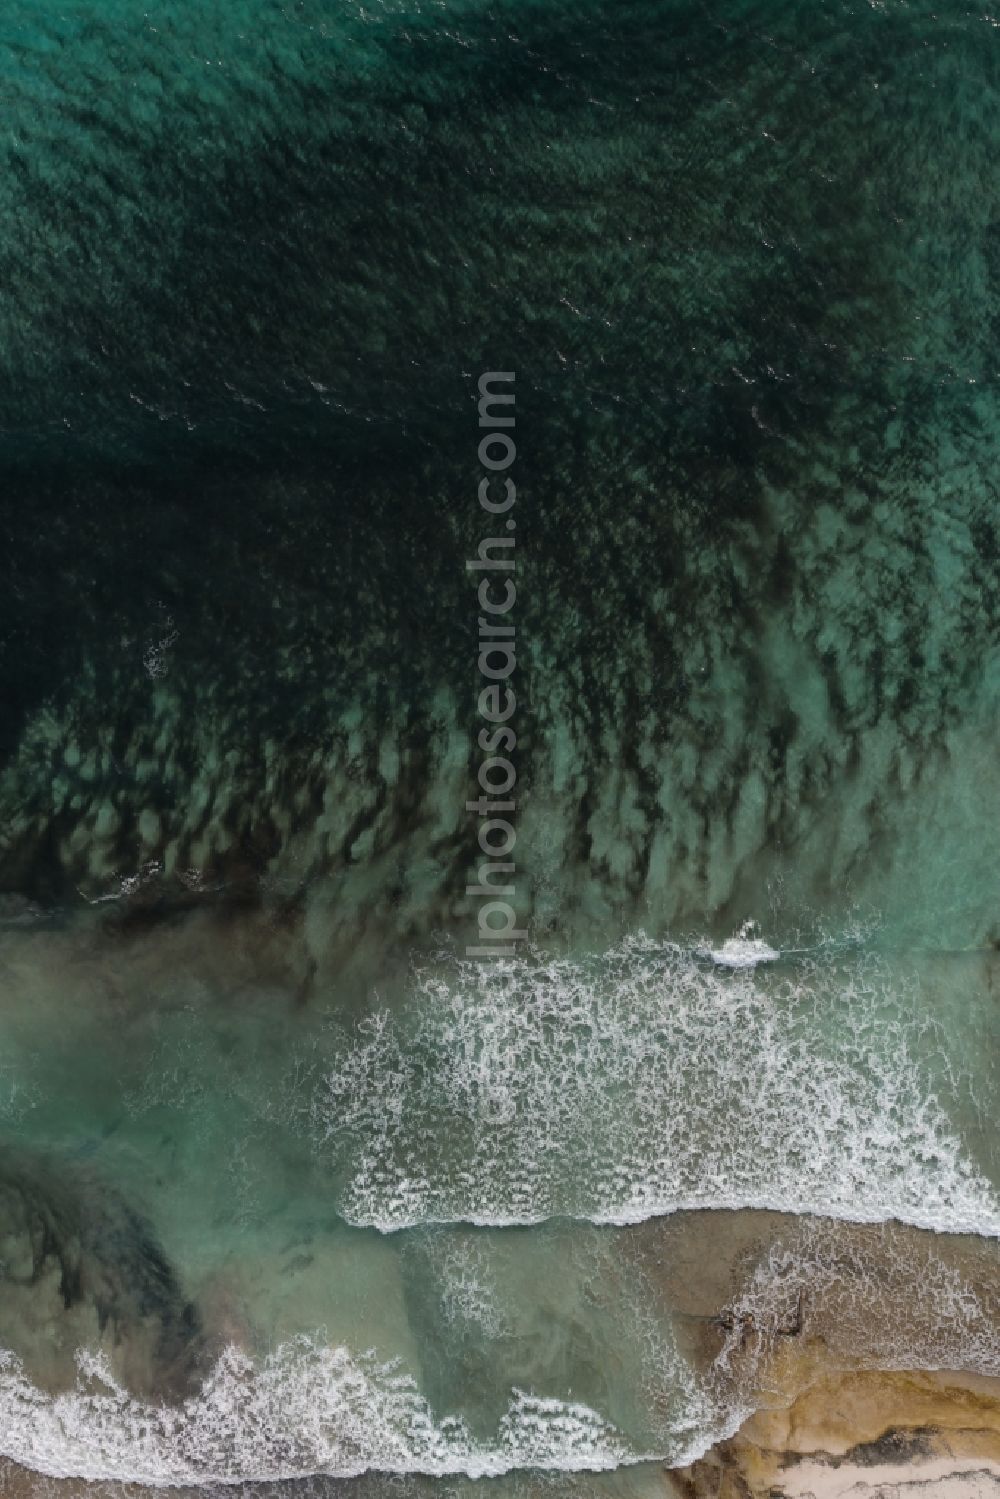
293,1192
390,1232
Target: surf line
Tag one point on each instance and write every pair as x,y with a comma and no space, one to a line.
498,931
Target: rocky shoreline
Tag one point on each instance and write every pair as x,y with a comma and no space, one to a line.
857,1434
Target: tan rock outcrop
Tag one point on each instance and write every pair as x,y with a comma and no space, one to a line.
857,1434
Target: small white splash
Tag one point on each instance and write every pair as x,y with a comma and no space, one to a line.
156,656
745,950
128,884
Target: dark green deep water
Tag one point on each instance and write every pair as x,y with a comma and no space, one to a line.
288,1188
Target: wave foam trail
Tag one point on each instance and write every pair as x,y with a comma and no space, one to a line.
308,1409
645,1081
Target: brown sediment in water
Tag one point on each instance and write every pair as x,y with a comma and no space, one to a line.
880,1295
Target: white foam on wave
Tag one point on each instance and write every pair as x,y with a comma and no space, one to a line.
644,1082
307,1409
745,950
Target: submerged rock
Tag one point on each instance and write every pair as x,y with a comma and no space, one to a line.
80,1268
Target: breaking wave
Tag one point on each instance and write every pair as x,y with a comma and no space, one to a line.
306,1409
649,1080
879,1296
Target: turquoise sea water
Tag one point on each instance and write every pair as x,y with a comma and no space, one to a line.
292,1192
